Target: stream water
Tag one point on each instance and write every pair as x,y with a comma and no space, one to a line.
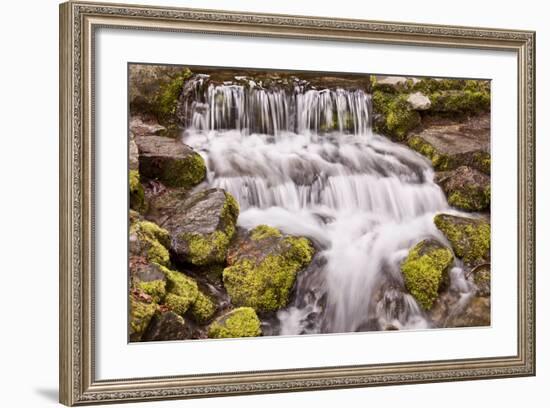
306,161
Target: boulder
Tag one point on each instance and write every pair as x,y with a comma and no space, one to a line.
182,291
148,240
167,326
393,115
170,161
450,144
425,269
481,276
419,101
240,322
201,227
263,264
470,238
466,188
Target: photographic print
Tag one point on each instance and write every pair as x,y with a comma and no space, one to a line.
270,202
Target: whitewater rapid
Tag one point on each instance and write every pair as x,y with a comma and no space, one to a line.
308,163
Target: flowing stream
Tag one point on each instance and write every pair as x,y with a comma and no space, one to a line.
306,161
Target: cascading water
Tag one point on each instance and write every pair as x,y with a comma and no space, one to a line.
305,160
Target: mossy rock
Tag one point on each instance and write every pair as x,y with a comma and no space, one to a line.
182,291
150,241
467,189
141,314
137,194
170,161
167,326
470,238
263,268
203,309
202,227
482,279
425,269
396,118
147,278
439,160
240,322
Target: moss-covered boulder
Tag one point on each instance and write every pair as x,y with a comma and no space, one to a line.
263,264
141,313
202,226
170,161
148,278
182,291
240,322
425,269
167,326
137,194
450,144
467,188
149,241
203,308
470,238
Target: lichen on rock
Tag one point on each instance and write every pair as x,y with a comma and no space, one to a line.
425,269
263,267
470,238
240,322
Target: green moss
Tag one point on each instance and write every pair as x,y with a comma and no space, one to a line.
154,241
182,291
206,249
229,214
482,162
165,102
203,309
266,285
398,116
462,102
186,172
424,270
470,198
156,289
240,322
141,314
439,161
470,239
264,231
137,195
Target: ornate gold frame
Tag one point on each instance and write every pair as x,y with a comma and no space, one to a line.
78,21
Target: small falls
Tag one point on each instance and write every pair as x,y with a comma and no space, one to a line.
305,160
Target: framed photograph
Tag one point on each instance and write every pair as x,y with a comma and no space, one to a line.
256,203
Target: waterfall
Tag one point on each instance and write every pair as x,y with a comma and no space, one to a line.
306,161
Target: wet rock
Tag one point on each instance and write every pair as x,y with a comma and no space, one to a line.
476,313
170,161
466,188
450,144
470,238
148,278
263,264
167,326
425,269
419,101
240,322
164,202
202,226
